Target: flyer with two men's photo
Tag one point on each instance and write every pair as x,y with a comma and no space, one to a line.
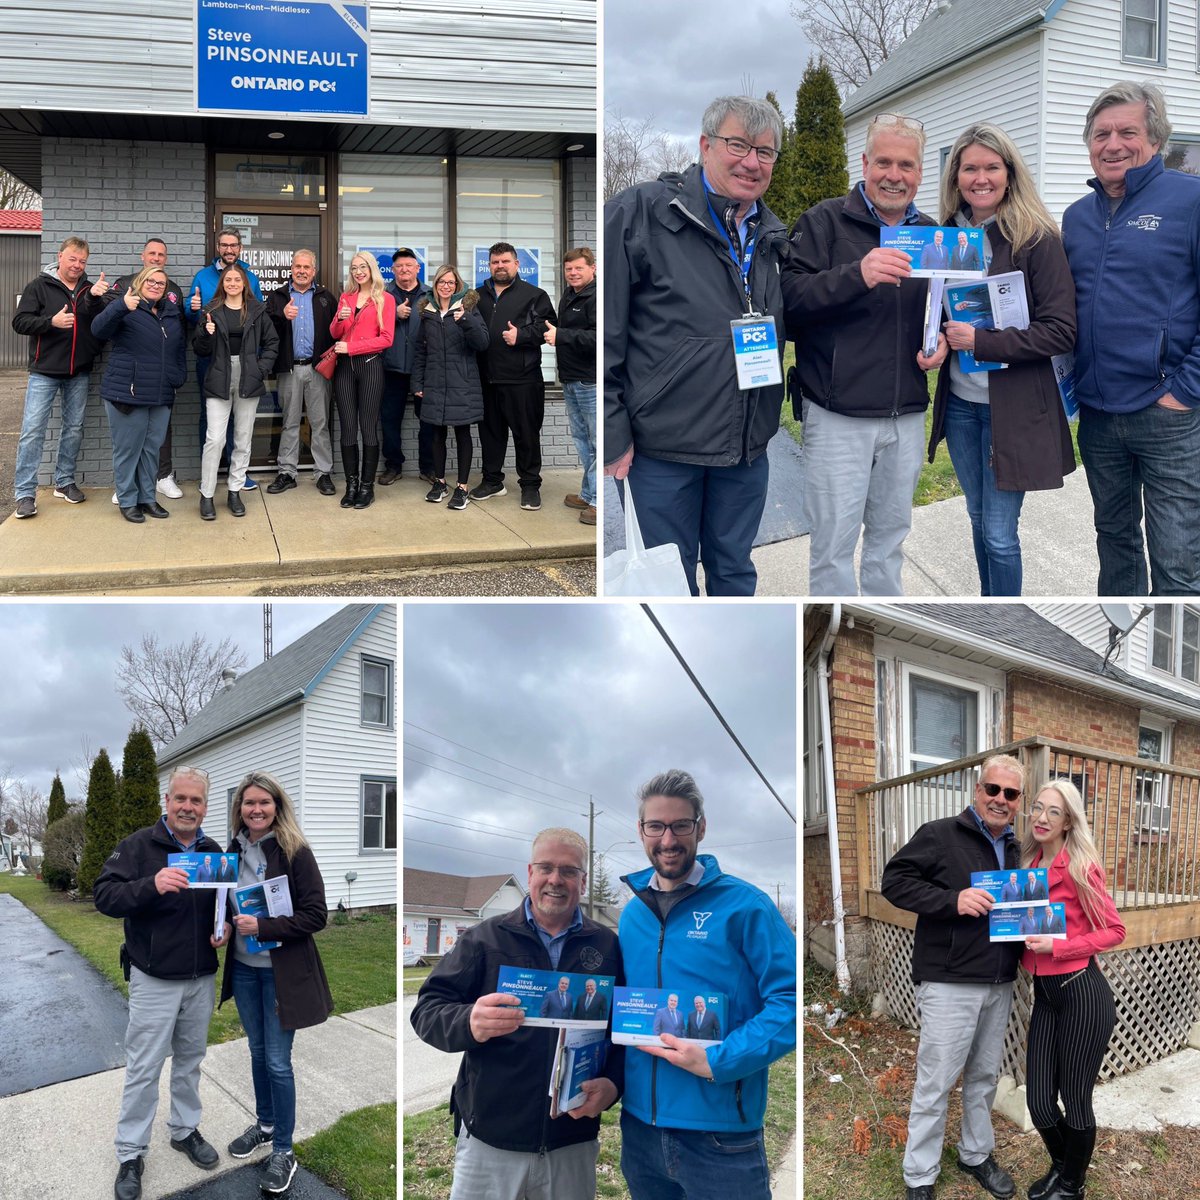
559,999
1022,905
641,1015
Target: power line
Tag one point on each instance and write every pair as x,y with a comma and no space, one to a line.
502,791
716,711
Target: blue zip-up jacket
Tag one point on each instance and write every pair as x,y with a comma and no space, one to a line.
207,278
148,360
1137,290
728,936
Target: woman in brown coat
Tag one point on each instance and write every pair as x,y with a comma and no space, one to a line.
1006,429
273,970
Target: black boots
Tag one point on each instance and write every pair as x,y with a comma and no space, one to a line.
1056,1144
366,489
1077,1154
350,466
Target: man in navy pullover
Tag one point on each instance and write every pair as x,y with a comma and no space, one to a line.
1134,250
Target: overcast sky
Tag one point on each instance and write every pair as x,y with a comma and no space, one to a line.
667,61
590,698
60,659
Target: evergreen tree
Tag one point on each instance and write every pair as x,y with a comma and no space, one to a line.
102,821
600,886
780,197
139,783
818,140
58,801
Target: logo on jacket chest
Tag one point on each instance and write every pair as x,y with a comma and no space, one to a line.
1150,221
699,933
590,958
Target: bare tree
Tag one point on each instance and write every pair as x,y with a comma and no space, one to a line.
855,36
635,151
17,195
27,806
165,686
82,767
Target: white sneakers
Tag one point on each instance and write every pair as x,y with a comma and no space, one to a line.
168,487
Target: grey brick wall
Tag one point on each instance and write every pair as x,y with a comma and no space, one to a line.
581,184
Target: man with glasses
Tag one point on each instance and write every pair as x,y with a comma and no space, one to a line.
858,320
692,1123
693,344
509,1147
963,980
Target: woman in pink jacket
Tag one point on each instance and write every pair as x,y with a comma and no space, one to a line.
1073,1011
363,328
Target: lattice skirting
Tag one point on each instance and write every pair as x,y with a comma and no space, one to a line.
1156,989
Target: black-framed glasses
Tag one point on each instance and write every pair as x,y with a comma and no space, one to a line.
684,827
739,148
155,283
547,869
994,789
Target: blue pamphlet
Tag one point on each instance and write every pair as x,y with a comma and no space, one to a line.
559,999
206,870
1016,924
640,1015
1015,888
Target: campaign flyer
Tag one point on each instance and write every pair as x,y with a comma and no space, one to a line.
943,250
558,999
1016,924
1011,889
270,898
640,1015
206,870
579,1057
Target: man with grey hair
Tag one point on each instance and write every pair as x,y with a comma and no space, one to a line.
692,345
692,1123
170,960
858,320
1134,250
509,1147
964,981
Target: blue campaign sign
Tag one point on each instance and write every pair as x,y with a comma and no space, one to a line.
272,56
383,256
529,263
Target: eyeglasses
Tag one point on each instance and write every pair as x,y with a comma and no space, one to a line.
229,245
154,283
739,148
681,828
895,118
994,789
1051,814
548,869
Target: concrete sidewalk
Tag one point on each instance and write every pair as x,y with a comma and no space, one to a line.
56,1143
299,534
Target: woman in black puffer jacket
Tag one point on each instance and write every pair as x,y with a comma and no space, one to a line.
446,375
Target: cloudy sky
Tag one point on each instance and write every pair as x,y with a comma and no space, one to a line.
516,713
667,61
60,660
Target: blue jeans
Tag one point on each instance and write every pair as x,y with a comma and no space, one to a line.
711,513
690,1164
1146,457
391,422
994,513
39,399
270,1051
581,413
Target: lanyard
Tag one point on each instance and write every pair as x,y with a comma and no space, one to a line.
743,268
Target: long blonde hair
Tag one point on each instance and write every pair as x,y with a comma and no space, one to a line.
1021,216
1080,848
286,828
378,287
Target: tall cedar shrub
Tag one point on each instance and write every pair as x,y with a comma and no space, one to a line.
57,808
140,804
102,821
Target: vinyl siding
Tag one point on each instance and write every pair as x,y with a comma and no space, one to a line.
1084,622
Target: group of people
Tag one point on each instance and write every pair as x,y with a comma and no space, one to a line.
691,252
964,981
170,962
692,1113
465,357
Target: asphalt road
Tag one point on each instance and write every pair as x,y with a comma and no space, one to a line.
242,1184
59,1017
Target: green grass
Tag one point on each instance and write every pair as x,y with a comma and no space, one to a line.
359,955
429,1142
413,978
357,1154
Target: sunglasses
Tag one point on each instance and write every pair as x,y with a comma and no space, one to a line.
994,789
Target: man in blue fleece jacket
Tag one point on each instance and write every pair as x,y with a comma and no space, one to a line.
692,1115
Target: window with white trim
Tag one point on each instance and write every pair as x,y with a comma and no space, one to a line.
815,803
1152,789
1143,24
375,692
943,718
1175,641
378,814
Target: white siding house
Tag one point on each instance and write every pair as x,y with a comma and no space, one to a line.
439,908
320,716
1034,69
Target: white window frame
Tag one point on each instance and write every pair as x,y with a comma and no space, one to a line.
816,807
1174,641
1153,791
371,660
1160,29
982,712
383,782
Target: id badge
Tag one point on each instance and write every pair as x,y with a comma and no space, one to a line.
756,352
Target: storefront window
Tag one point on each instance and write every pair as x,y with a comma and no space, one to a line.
274,178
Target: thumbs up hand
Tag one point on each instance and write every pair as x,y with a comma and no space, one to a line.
291,310
209,327
99,288
510,334
551,334
196,301
131,299
63,319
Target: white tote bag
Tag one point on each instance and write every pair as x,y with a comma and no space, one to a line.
636,571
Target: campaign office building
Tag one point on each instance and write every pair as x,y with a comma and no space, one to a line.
302,123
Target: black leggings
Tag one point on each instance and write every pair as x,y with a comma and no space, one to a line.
1072,1022
462,435
358,387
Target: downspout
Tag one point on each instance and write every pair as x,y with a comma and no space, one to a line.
841,968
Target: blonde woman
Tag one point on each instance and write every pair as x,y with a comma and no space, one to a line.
1021,442
1073,1010
279,987
363,328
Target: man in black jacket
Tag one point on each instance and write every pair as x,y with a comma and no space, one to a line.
963,980
858,321
398,360
171,964
510,369
508,1144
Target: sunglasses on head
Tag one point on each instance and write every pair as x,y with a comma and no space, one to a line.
994,789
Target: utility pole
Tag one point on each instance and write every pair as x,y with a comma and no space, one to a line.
267,638
591,853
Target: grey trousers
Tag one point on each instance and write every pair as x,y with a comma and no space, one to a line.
166,1016
859,477
962,1032
304,387
481,1172
218,412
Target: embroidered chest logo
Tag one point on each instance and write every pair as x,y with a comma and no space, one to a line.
1150,221
699,932
591,959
